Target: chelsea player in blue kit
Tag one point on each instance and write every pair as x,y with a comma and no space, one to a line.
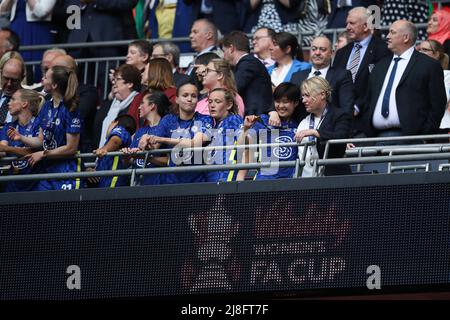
184,129
60,130
154,106
118,136
227,125
286,98
24,106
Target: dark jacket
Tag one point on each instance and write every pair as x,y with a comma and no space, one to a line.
335,125
420,95
254,85
225,13
376,51
340,81
106,20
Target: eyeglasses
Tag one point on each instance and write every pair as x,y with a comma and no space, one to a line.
259,38
7,79
208,70
426,50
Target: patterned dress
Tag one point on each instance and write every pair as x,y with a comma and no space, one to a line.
411,10
313,21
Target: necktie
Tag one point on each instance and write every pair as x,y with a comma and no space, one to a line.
317,73
4,109
355,60
387,93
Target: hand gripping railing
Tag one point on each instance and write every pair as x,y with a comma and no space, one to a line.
298,163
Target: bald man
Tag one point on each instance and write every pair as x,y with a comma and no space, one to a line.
204,37
340,79
12,75
359,57
406,92
88,100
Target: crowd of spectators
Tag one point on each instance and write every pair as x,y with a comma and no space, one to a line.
361,86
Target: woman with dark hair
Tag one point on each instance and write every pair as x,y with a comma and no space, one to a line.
126,87
286,97
285,51
60,130
184,129
153,108
118,136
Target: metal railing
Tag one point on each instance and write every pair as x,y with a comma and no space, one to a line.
299,163
389,154
358,155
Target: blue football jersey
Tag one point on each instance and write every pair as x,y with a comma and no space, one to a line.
147,179
114,162
225,133
171,126
270,134
31,129
56,122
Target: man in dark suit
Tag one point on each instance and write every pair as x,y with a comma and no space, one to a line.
101,20
340,80
204,38
340,9
225,14
406,93
13,73
360,56
252,79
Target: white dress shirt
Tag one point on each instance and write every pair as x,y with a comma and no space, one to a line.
323,72
392,121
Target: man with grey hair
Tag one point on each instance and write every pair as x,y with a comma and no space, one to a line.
406,92
171,52
360,56
204,38
13,73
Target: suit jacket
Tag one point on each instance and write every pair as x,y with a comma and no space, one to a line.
340,81
420,95
106,20
376,50
338,16
254,85
225,13
335,125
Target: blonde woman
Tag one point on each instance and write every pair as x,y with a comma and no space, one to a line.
323,123
24,107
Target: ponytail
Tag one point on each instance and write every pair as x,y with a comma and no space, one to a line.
66,84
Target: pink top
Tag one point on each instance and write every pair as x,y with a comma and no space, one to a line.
202,106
